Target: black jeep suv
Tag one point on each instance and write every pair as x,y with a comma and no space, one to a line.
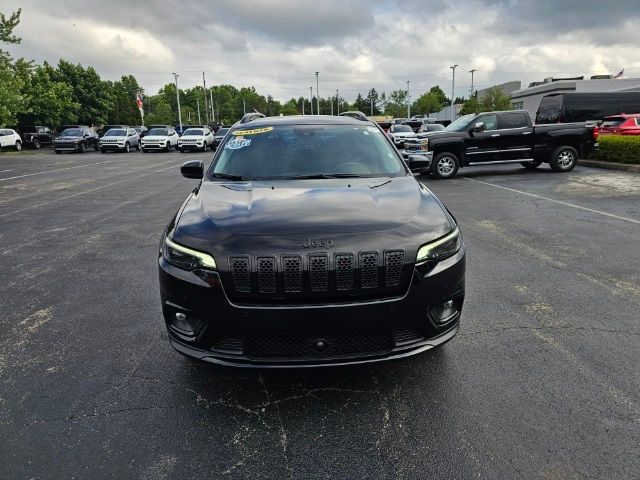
309,242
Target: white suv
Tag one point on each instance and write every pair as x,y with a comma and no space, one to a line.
122,139
10,139
199,138
160,138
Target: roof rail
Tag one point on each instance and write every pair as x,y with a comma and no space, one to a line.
251,116
355,114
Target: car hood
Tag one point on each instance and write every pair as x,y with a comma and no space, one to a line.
403,134
191,137
65,138
278,217
114,138
156,137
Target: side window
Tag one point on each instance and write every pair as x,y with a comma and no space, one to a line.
513,120
490,122
40,130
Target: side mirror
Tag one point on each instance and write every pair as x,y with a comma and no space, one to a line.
192,169
419,163
478,127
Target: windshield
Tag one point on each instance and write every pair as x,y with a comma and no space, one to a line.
158,131
222,132
193,131
402,128
72,132
115,133
303,151
612,122
460,124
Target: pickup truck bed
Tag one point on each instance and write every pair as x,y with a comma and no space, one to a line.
503,137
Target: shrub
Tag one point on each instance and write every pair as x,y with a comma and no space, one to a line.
619,148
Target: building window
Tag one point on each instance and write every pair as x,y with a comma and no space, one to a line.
517,105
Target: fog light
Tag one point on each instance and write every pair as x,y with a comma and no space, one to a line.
444,312
185,324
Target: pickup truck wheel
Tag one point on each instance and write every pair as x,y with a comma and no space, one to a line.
18,145
563,159
445,165
36,143
531,165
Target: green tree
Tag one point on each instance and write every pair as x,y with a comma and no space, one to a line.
494,99
428,103
160,112
360,104
470,106
440,95
373,97
11,82
89,90
397,104
123,99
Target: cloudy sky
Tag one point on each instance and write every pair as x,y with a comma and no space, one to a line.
277,45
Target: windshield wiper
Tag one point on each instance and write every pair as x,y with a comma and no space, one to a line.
323,175
229,176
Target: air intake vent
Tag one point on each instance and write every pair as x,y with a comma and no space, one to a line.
344,271
292,273
318,273
393,263
266,274
239,267
369,269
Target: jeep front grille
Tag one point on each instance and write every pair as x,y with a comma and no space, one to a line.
341,277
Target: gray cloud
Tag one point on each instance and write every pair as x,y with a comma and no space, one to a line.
277,45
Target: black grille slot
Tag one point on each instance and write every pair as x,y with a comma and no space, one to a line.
369,269
344,271
239,267
266,274
393,263
406,337
228,345
292,273
318,273
303,347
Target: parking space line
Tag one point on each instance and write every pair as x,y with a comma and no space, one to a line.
87,191
599,212
56,170
2,171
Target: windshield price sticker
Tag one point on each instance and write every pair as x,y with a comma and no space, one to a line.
255,131
237,143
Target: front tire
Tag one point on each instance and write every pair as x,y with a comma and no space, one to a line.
204,147
445,165
103,150
18,145
563,159
137,147
127,147
83,147
168,147
36,144
531,165
144,151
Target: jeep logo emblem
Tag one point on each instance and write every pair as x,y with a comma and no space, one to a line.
318,243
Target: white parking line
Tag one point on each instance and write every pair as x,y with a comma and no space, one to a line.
626,219
87,191
2,171
55,170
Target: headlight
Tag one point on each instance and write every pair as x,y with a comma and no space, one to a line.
441,248
184,257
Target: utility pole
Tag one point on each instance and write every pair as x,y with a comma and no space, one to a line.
371,98
244,107
453,89
338,100
302,106
471,89
317,94
408,102
331,106
213,112
178,97
311,98
198,104
206,107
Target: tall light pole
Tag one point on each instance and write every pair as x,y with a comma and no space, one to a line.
244,107
302,106
213,112
408,102
198,104
311,99
317,94
206,107
178,97
338,100
472,71
453,89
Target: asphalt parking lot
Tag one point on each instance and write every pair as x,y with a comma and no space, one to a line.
543,380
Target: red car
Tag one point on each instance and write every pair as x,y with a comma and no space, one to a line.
623,124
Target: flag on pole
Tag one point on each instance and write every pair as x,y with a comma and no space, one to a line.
620,75
140,104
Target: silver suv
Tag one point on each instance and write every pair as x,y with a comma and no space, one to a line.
120,139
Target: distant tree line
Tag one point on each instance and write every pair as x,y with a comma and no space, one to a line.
66,93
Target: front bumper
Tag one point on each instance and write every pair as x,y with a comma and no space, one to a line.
190,146
111,146
288,336
154,146
66,147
